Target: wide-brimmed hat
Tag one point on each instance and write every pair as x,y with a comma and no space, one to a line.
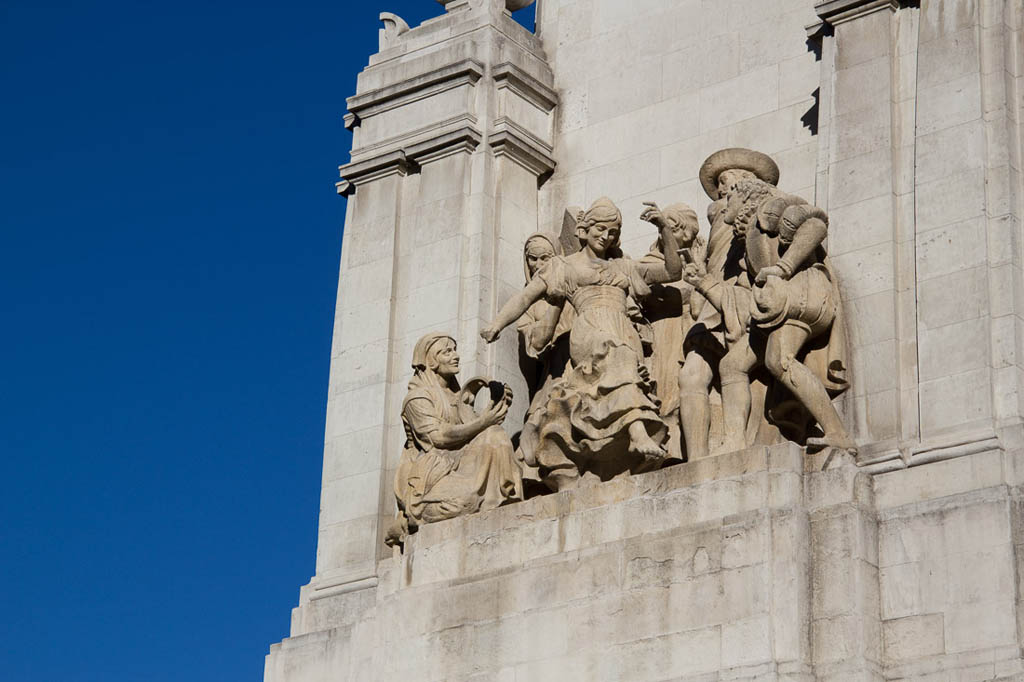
761,165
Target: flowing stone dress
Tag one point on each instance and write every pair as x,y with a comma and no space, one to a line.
433,484
543,369
584,424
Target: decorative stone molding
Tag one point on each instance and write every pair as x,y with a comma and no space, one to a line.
926,453
838,11
407,160
508,75
464,72
355,174
465,139
517,144
394,27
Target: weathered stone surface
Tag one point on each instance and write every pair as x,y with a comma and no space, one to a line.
902,123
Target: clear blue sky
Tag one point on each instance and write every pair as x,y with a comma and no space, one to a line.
167,280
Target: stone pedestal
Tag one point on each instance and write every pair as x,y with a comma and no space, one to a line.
747,566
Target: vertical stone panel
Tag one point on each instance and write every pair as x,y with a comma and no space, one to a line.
452,124
356,405
861,165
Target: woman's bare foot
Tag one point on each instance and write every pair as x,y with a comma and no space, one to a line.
640,443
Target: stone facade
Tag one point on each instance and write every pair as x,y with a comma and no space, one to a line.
903,121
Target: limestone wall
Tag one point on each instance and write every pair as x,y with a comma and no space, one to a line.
649,88
902,120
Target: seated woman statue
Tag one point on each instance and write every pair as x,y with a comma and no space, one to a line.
455,462
544,344
602,417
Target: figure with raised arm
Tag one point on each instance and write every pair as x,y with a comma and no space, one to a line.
667,311
601,418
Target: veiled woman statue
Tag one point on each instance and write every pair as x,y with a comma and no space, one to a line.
601,417
544,342
455,462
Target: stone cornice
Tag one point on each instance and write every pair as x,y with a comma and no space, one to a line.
390,163
912,455
464,72
838,11
432,130
526,86
520,146
464,139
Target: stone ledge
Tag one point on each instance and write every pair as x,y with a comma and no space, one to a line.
707,491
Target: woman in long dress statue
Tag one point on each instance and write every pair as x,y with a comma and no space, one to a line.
602,416
455,462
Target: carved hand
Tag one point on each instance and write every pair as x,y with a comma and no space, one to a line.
495,414
489,334
653,215
770,271
693,273
698,252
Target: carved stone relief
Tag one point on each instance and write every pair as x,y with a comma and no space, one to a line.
455,461
621,356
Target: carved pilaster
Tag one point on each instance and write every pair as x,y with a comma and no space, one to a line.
452,128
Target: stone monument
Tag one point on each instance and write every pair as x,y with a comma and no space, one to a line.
784,443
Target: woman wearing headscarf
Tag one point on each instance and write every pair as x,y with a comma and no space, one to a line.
602,417
455,462
544,341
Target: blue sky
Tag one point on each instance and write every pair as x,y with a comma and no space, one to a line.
167,280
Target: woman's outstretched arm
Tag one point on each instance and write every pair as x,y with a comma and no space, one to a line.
515,308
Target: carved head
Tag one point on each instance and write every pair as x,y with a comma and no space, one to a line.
443,358
726,167
729,178
599,228
538,250
743,201
436,352
683,221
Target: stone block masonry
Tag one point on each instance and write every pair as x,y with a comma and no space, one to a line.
902,120
747,566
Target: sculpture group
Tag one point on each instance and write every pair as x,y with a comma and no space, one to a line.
623,357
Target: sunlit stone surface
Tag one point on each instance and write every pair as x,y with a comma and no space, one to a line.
892,555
